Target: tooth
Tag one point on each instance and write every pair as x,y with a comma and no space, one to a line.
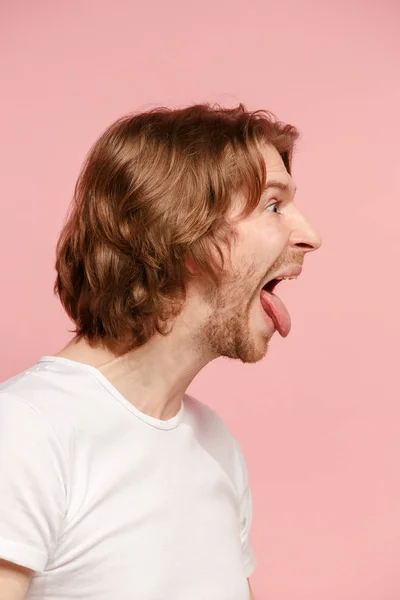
286,278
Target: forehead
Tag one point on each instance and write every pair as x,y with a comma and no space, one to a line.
275,167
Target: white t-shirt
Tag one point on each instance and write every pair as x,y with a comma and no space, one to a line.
104,502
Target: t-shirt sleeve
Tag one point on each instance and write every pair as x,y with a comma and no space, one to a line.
32,484
246,516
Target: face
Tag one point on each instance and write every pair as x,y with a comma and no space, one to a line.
272,241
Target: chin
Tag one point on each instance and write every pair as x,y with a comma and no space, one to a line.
244,336
251,347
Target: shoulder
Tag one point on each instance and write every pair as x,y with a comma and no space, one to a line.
31,387
32,408
60,397
24,427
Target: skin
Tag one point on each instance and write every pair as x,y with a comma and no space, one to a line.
14,581
251,595
227,321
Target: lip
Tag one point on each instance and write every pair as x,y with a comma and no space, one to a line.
294,271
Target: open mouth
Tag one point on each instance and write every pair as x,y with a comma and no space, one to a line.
274,307
271,285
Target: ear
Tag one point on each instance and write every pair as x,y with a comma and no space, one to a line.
191,265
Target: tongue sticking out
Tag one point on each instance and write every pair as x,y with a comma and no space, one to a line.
275,309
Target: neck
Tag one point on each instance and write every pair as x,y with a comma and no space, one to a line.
154,377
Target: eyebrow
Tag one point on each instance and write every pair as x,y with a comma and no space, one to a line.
278,184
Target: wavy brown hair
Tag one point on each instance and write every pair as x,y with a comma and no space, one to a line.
156,189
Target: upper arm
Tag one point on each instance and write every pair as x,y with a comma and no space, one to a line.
14,581
32,491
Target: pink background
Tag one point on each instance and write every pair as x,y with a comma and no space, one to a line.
319,419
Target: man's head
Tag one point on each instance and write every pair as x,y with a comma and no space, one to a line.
173,214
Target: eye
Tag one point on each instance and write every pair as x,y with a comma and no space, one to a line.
274,207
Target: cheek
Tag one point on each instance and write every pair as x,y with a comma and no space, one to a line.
252,257
277,236
270,235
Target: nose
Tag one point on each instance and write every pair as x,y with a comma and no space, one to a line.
304,236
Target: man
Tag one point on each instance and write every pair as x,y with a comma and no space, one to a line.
114,482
